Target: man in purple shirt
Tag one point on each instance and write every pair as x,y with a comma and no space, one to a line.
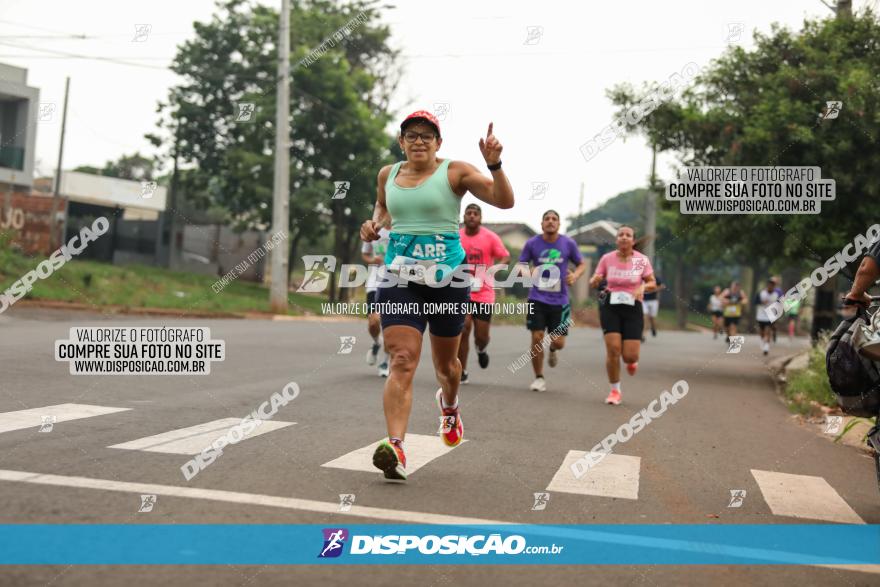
550,310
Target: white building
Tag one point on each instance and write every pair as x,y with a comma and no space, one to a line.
19,113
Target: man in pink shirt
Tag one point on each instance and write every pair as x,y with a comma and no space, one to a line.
628,275
483,249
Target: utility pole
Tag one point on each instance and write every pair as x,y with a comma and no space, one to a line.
173,244
651,209
843,8
55,192
581,289
281,195
581,208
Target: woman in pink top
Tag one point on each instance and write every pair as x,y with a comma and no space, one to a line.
628,275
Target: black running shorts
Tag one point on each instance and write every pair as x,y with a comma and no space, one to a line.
411,306
549,317
628,321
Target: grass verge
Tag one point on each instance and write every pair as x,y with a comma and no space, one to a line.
809,386
142,286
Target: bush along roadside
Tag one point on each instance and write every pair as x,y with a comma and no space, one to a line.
807,393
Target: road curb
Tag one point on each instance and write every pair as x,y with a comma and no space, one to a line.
849,430
174,313
116,309
778,366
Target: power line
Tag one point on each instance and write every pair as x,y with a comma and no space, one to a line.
44,37
77,56
36,28
84,37
63,34
20,56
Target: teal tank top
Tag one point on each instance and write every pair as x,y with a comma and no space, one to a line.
424,219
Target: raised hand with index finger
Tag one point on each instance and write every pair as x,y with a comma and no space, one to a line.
491,147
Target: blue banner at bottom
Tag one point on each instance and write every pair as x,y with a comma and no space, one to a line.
209,544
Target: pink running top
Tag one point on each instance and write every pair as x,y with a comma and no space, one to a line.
624,276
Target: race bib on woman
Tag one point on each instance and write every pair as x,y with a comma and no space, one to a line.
411,269
622,297
411,256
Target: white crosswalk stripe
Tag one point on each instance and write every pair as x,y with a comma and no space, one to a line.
193,439
34,417
617,476
420,450
804,496
614,476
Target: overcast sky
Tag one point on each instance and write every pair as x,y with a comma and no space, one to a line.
538,70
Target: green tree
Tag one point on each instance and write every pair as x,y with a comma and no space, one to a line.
339,103
763,107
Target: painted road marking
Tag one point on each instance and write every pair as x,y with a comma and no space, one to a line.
332,508
420,449
614,476
804,496
256,499
193,439
33,417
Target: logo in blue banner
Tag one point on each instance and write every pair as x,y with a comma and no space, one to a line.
334,541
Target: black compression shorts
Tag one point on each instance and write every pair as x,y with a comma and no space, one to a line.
408,307
628,321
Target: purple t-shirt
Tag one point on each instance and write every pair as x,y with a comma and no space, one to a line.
544,254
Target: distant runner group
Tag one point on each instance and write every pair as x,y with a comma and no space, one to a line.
727,306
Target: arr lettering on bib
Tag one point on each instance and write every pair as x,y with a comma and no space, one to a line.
429,250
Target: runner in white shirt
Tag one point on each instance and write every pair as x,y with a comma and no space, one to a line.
716,309
373,254
767,297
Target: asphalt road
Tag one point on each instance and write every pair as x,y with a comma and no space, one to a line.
730,432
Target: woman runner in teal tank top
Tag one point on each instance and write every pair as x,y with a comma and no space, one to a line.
419,200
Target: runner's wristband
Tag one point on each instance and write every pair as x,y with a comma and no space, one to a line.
494,167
